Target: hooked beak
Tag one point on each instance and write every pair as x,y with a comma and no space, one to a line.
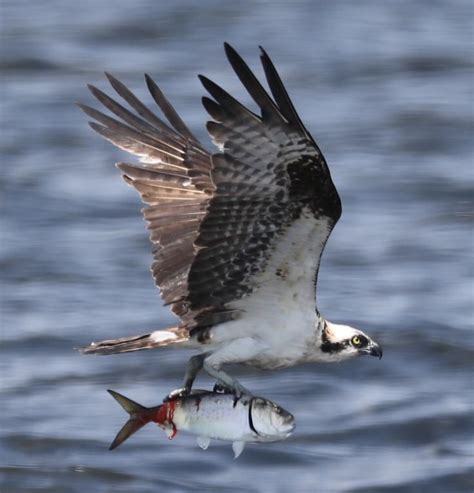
373,349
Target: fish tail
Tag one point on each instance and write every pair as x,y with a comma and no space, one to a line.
155,339
139,417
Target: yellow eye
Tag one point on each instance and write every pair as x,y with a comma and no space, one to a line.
356,341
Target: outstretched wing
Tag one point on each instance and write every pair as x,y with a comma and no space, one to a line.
173,179
241,229
273,208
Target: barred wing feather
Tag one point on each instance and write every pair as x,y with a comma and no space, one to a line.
218,224
173,179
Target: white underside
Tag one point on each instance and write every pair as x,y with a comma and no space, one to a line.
277,326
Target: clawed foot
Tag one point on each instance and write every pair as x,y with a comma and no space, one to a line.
222,389
176,394
237,389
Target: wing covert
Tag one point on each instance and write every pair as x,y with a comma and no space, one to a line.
269,172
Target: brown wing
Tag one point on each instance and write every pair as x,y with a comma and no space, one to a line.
269,175
215,230
173,179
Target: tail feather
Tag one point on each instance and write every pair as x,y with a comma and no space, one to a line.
158,338
139,417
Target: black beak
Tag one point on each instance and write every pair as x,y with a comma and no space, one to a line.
375,350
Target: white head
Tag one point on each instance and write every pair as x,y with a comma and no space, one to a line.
340,342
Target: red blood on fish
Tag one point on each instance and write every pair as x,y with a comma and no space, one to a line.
164,416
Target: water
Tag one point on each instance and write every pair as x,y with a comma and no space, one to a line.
386,89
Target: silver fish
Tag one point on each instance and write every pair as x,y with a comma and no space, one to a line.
211,415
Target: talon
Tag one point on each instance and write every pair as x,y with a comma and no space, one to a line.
176,394
240,390
221,388
237,389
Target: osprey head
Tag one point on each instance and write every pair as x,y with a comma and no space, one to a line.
340,342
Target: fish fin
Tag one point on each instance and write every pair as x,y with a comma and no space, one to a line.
129,428
203,442
127,404
238,448
170,432
139,416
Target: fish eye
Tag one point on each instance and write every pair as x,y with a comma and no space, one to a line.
356,341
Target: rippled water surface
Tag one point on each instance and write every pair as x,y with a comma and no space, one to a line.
386,89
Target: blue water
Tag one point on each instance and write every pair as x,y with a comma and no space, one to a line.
386,89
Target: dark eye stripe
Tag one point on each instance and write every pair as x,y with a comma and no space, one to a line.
362,341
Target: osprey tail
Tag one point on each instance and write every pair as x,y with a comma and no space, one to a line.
158,338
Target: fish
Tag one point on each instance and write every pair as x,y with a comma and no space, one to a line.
210,415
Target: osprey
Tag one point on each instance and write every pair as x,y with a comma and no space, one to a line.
237,235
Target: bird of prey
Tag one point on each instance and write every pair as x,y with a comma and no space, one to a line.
237,235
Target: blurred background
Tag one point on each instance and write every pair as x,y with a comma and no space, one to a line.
386,90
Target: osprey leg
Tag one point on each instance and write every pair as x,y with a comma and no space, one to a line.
237,351
226,381
193,367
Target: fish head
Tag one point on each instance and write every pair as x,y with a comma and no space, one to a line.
269,421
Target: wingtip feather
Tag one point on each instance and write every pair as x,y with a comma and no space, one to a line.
93,89
229,49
